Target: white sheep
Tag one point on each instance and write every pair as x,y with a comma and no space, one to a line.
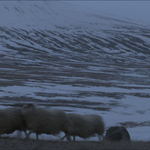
40,120
86,125
11,119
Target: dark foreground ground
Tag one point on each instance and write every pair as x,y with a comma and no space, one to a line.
13,144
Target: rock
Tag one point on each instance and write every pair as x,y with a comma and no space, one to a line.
117,134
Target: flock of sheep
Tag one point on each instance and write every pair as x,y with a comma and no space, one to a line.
41,120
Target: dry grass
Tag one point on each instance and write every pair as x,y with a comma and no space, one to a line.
15,144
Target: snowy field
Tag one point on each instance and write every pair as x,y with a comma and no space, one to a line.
57,55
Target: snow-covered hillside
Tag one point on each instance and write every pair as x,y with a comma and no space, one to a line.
59,55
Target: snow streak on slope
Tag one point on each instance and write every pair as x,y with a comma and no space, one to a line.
55,54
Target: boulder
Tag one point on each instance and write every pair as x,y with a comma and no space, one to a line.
117,133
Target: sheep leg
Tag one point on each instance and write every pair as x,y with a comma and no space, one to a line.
101,137
68,138
74,138
37,137
29,132
63,137
27,135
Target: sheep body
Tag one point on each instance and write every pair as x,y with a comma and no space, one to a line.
40,120
11,119
86,125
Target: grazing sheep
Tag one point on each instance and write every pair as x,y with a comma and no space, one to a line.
11,119
40,120
86,125
117,134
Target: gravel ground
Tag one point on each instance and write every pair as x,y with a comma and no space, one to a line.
13,143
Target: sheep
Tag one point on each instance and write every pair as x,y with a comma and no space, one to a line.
11,119
86,125
40,120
